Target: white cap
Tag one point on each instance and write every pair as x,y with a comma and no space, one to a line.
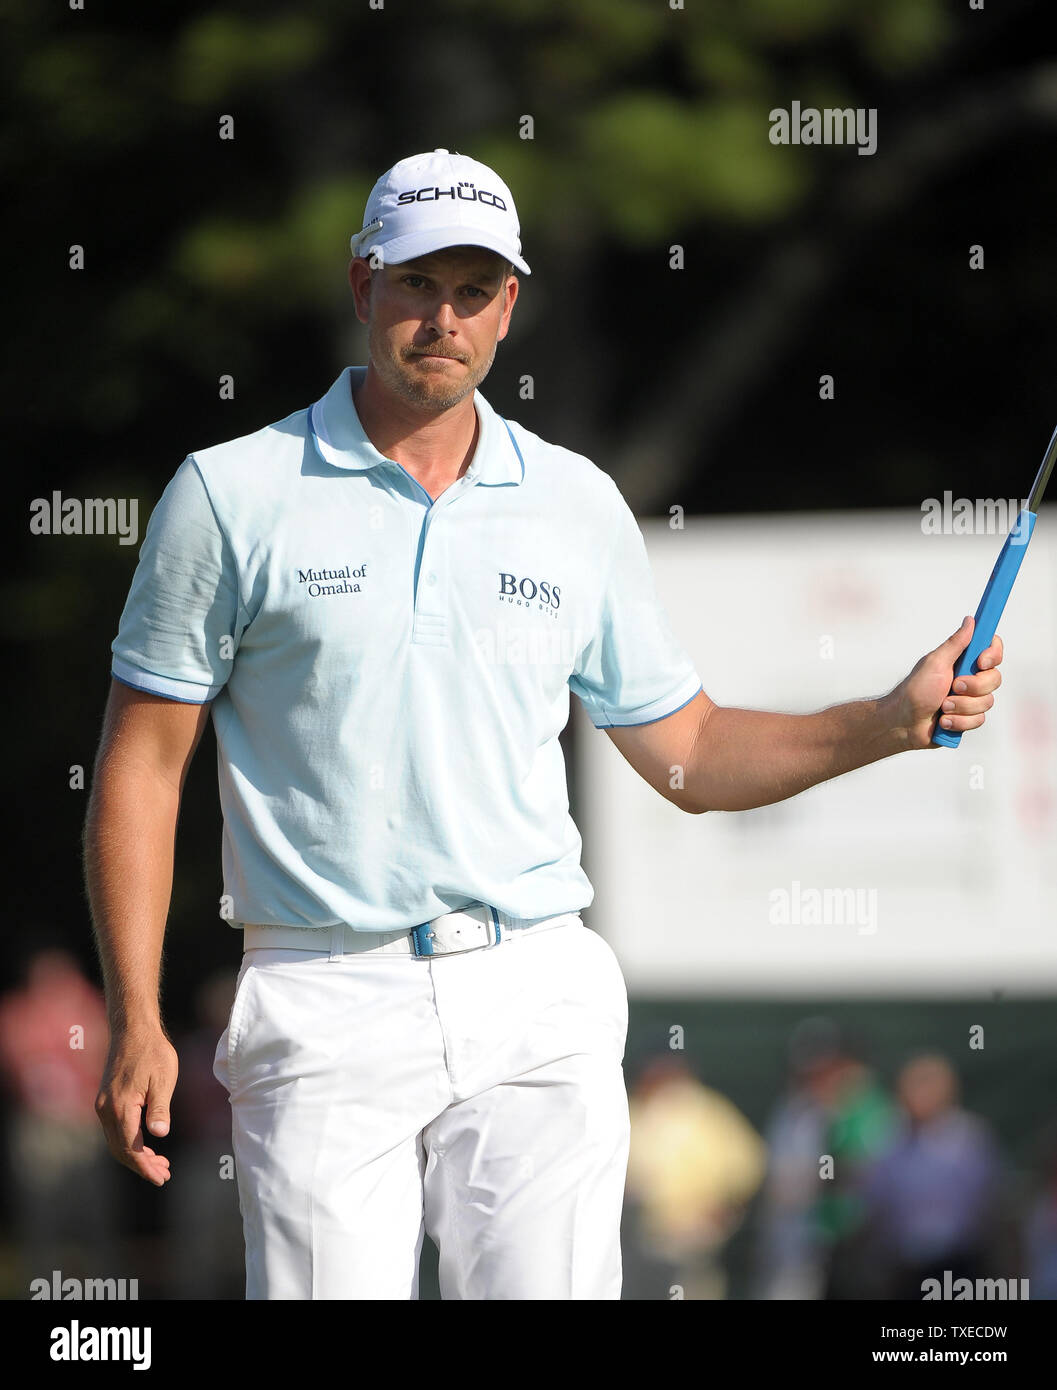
431,201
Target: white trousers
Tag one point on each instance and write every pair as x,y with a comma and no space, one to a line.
478,1097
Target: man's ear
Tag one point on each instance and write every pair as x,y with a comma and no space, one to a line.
510,290
360,277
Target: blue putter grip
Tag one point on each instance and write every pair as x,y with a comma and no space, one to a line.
989,612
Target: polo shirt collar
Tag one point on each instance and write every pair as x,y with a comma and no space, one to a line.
340,440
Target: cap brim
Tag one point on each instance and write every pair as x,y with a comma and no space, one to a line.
408,248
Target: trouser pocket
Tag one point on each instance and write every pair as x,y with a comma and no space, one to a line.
227,1048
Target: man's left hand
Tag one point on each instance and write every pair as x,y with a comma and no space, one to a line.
927,695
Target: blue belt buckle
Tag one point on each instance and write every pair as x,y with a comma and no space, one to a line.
422,939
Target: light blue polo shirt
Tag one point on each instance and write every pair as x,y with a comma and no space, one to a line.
389,674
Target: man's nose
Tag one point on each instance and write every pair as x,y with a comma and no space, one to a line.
442,315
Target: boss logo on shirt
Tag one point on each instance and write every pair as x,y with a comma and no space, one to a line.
527,593
340,581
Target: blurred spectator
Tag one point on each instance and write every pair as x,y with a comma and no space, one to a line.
932,1198
207,1255
860,1123
1040,1229
695,1163
788,1250
53,1045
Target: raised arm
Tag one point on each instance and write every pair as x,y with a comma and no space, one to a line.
708,757
130,833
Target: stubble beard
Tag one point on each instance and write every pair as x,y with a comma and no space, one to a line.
395,369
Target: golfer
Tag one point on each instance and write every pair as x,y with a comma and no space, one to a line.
384,600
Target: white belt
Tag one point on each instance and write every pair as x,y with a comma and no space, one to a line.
469,929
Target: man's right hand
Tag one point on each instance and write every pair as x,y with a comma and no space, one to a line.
130,834
141,1071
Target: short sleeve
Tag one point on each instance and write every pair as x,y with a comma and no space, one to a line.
632,670
178,630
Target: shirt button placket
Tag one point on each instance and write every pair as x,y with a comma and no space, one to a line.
431,607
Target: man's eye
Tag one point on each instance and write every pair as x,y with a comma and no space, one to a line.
418,280
474,290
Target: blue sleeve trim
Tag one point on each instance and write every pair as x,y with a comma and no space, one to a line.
184,692
655,719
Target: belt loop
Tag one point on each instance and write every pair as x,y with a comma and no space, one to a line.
337,941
